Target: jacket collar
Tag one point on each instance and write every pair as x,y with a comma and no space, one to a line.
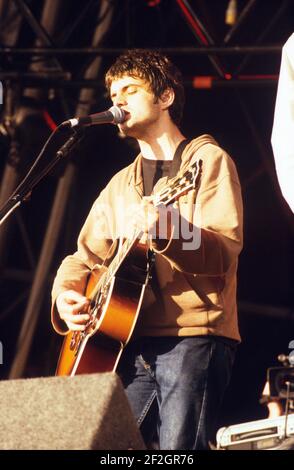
136,176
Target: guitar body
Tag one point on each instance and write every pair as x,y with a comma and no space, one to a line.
99,349
116,295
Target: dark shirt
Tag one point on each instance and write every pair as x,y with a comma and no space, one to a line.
153,170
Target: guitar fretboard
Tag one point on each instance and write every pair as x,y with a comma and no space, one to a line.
176,187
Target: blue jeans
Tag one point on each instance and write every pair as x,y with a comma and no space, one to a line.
180,381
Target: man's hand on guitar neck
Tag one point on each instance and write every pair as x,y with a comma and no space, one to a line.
72,308
153,221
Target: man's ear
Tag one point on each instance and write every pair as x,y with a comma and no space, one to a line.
167,98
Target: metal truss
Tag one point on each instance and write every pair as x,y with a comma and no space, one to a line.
39,277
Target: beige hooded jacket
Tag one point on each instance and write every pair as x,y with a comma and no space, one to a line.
196,268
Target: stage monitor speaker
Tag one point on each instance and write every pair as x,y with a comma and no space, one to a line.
67,413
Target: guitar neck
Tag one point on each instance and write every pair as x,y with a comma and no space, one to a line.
124,250
129,243
171,192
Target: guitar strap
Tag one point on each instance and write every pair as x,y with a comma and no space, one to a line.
176,162
174,168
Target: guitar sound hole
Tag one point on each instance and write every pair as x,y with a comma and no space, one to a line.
96,304
91,325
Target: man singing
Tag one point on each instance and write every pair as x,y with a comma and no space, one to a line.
178,362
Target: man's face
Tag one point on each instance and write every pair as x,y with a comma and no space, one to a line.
135,98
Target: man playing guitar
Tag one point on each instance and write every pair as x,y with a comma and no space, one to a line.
177,361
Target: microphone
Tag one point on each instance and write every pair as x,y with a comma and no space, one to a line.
113,115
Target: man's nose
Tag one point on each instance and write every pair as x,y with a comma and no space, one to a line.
120,99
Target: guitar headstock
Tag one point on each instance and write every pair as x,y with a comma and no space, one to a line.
179,185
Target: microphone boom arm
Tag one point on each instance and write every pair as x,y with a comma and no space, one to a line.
27,185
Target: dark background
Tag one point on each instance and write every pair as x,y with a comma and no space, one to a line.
238,113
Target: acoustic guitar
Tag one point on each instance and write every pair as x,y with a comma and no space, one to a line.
116,294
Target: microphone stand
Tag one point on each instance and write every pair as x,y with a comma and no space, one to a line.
25,189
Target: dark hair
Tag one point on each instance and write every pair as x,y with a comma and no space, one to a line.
157,70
